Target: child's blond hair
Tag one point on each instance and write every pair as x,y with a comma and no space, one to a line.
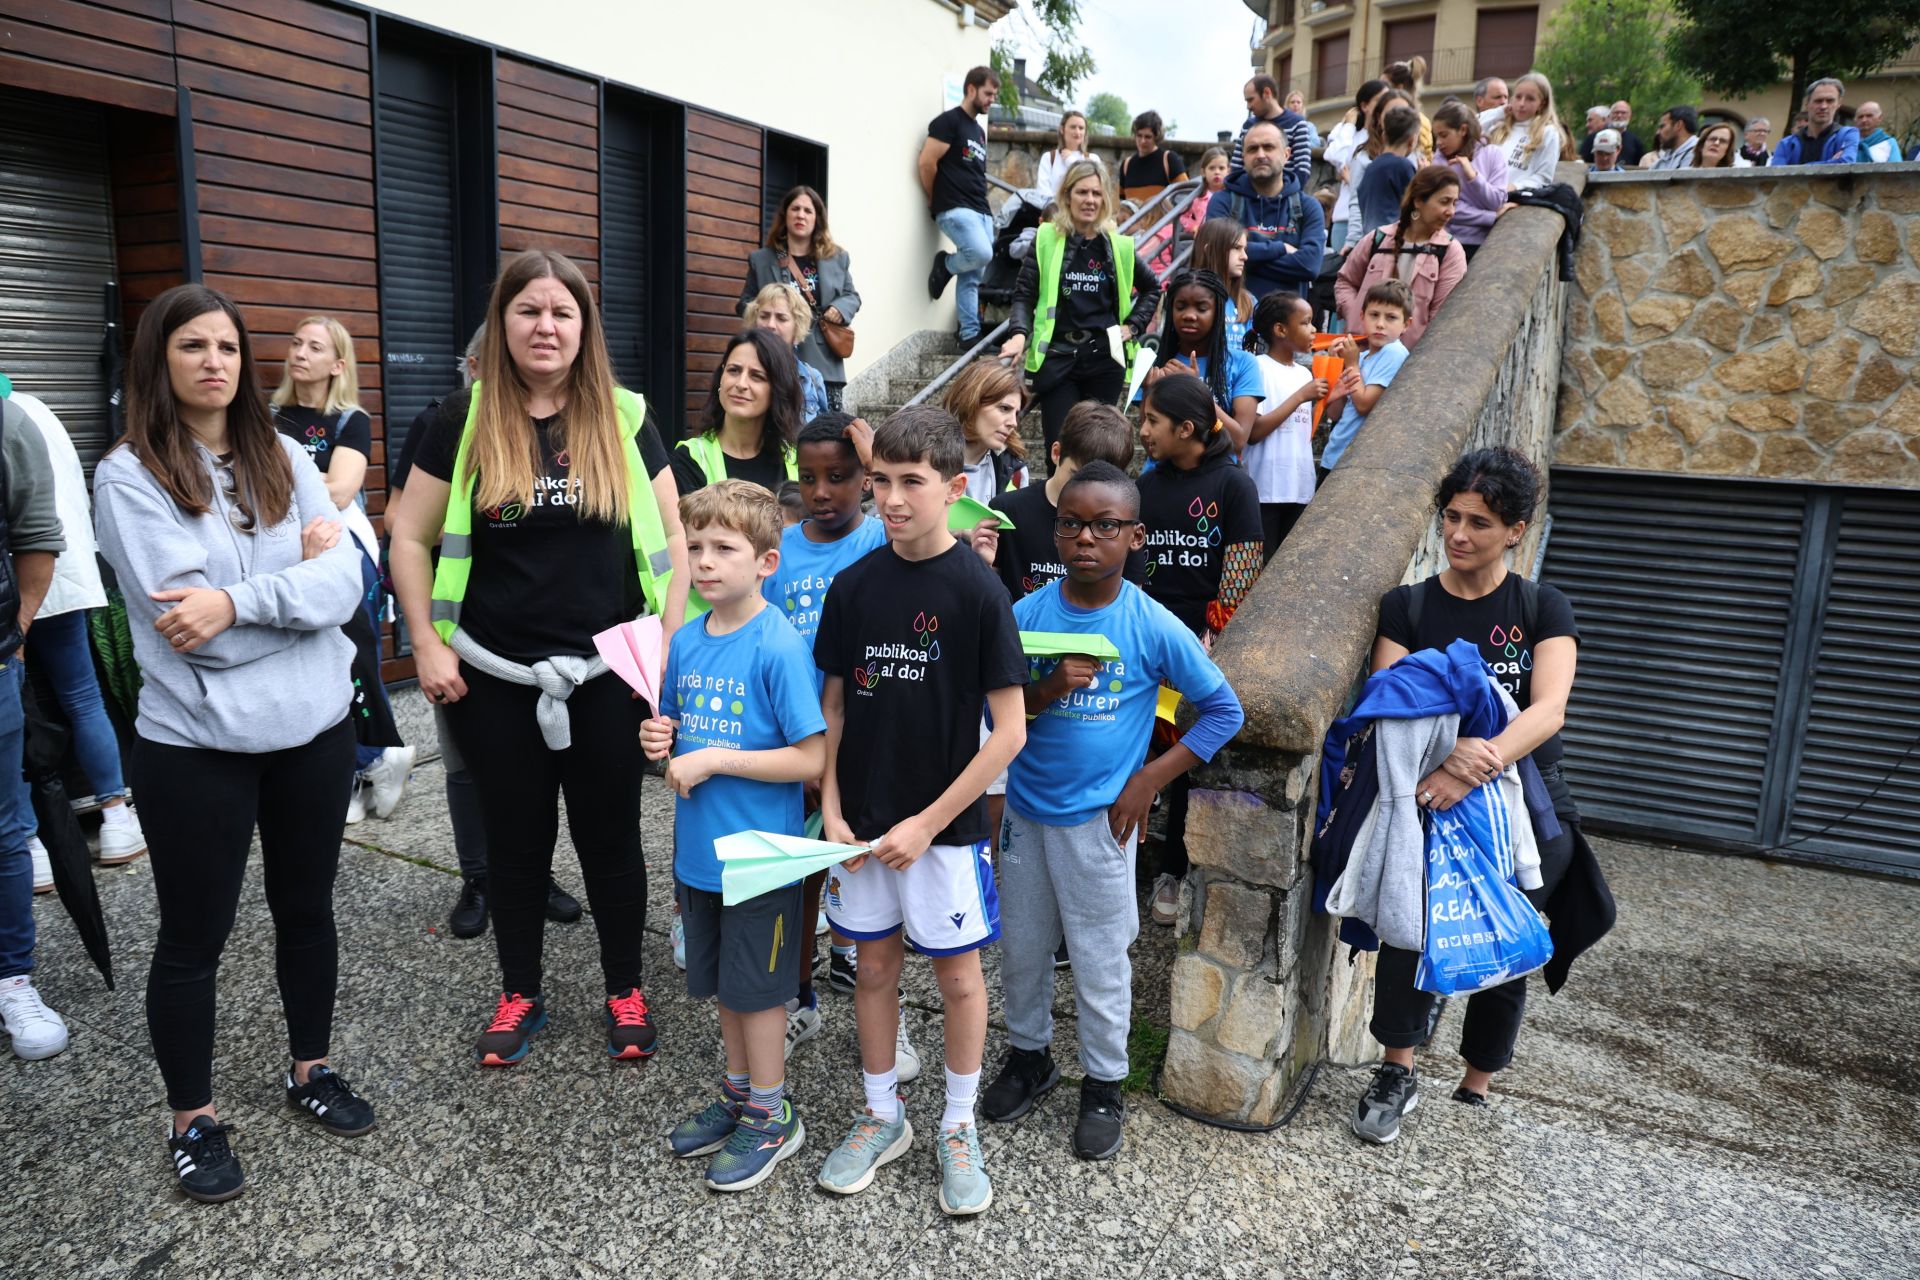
781,291
748,509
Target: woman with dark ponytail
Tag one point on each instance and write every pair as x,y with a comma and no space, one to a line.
1193,340
1202,517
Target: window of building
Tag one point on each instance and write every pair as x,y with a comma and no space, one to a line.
1330,66
1503,41
1410,39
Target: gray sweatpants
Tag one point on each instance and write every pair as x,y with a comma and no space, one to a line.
1076,883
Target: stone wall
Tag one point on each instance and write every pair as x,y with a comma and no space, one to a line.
1260,990
1748,322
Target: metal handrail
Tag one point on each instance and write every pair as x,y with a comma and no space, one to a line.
1184,192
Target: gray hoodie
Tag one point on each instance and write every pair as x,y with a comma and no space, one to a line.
279,676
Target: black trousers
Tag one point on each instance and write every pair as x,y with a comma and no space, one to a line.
519,783
199,808
1069,375
1276,522
1492,1024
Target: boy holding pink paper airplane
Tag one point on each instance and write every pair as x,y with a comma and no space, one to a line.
741,719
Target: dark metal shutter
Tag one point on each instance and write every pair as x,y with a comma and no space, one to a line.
419,237
624,230
1683,593
56,259
1865,705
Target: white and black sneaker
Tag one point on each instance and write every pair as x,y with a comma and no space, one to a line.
1394,1093
206,1166
843,971
329,1099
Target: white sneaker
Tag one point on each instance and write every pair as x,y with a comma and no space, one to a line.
820,925
387,777
906,1058
120,841
42,866
1166,900
803,1022
357,801
677,934
37,1031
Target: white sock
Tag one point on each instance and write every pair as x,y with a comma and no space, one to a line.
116,815
883,1094
34,846
961,1091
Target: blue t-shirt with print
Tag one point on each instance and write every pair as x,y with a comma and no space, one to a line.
798,588
749,690
1243,376
1082,748
1377,369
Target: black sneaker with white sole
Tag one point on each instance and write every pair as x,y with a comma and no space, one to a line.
206,1166
1394,1093
329,1099
843,972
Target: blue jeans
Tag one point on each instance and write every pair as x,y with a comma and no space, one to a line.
61,647
972,236
16,828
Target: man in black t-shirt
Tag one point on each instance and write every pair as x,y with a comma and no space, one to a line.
953,173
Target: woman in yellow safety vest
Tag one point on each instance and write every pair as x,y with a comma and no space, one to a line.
547,490
751,419
1082,286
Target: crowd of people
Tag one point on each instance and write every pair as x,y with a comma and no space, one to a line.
845,657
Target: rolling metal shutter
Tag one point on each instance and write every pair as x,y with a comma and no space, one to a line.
1864,709
56,259
419,237
624,230
1684,596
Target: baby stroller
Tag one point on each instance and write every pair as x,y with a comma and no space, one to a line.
1018,218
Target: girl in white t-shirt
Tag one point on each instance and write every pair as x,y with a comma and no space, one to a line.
1279,454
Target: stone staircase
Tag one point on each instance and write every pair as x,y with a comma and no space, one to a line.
918,359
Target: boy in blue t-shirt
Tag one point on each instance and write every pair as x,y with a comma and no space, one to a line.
832,535
1385,309
742,722
1077,799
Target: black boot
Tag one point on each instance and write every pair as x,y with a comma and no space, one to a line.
1103,1118
1026,1076
562,907
938,277
469,918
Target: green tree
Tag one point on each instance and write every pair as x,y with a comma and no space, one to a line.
1051,26
1603,51
1107,113
1738,46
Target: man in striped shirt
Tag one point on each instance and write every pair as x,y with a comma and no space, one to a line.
1263,103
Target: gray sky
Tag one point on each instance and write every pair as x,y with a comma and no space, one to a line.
1185,59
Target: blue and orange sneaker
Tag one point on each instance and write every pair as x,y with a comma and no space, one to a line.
761,1140
630,1032
708,1131
505,1041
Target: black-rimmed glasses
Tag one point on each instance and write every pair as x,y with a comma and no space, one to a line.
1067,528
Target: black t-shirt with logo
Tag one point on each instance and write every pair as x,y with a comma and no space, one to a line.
1192,517
1495,622
544,581
1088,284
919,644
1028,557
960,176
321,433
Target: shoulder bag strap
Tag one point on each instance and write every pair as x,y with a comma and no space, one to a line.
799,280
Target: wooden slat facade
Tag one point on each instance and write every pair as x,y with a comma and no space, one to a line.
283,168
723,228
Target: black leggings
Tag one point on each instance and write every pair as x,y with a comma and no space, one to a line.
519,783
1068,376
199,808
1492,1025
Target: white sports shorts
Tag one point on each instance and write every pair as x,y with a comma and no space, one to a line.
946,900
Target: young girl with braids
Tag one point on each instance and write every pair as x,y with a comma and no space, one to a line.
1193,340
1202,518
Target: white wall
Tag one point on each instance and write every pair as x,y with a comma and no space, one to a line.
870,77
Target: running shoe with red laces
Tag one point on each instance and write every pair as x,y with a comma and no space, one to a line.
506,1038
630,1031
